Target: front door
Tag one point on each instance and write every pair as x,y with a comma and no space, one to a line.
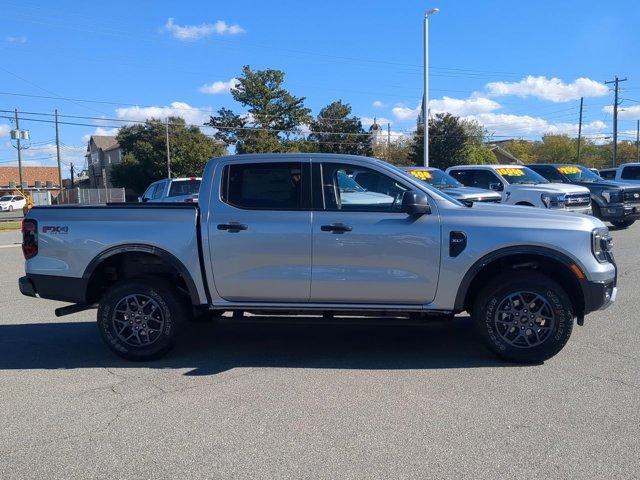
260,232
365,249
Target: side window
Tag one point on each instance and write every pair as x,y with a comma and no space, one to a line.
630,173
354,188
158,191
484,178
608,174
465,177
263,186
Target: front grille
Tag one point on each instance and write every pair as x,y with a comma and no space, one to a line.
577,200
632,196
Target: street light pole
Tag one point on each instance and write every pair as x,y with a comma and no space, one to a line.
425,102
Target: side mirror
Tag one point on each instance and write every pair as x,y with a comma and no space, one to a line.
415,203
143,199
496,187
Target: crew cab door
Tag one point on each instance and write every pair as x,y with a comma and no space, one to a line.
260,231
365,250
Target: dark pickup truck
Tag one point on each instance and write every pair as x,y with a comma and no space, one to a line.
614,202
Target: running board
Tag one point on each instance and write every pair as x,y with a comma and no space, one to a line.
69,309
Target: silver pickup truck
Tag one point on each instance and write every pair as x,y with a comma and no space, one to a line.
271,233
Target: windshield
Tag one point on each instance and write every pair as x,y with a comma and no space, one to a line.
184,187
435,177
348,184
520,175
578,173
6,198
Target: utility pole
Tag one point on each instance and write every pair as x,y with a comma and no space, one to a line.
388,140
19,147
425,104
72,172
616,81
638,141
58,153
580,128
168,154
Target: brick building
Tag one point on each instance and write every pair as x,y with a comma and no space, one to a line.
33,178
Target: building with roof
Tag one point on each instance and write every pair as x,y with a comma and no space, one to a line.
34,178
103,152
502,155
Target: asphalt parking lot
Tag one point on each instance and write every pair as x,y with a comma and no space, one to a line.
312,401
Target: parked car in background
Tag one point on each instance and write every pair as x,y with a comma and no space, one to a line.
272,234
173,190
9,203
611,201
520,185
627,173
452,187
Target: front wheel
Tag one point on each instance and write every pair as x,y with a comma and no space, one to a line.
622,223
524,317
139,319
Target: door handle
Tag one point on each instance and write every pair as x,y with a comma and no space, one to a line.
232,226
336,228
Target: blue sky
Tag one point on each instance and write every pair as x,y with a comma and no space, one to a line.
517,67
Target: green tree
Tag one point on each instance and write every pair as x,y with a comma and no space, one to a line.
335,130
144,153
478,155
556,149
272,114
522,149
448,139
397,152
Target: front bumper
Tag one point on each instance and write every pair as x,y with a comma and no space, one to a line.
620,212
600,295
583,210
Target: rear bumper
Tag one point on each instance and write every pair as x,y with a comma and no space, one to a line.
64,289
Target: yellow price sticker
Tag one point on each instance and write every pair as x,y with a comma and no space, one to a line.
511,172
421,174
568,170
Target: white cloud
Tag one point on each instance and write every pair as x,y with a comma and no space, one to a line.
460,108
368,121
196,32
4,130
552,89
219,86
377,104
100,131
402,112
522,125
625,113
191,115
16,39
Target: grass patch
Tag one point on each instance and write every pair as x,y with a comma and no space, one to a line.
4,226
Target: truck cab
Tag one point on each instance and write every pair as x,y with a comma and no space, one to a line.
172,190
611,201
522,186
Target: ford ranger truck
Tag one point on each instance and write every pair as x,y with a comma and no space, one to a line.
613,202
449,185
522,186
271,234
627,173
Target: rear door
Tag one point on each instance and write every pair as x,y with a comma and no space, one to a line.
365,250
260,231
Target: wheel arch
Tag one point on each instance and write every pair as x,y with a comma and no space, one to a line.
124,251
557,265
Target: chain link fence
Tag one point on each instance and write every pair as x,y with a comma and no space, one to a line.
92,196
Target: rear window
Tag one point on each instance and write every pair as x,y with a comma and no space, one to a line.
264,186
631,173
608,174
184,187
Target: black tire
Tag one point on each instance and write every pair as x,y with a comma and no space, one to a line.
167,304
622,223
507,334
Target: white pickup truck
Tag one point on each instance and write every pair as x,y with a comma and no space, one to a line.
520,185
290,233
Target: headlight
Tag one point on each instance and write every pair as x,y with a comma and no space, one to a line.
553,200
601,244
612,196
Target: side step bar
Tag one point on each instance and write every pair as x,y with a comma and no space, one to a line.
69,309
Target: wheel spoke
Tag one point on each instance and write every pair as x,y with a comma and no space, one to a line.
524,319
129,324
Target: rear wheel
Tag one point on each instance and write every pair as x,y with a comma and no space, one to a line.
139,319
622,223
524,316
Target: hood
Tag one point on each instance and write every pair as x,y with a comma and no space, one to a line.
606,184
536,217
551,188
472,193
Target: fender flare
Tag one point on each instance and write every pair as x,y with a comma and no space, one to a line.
477,267
166,256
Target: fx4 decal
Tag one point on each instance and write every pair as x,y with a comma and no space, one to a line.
55,229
